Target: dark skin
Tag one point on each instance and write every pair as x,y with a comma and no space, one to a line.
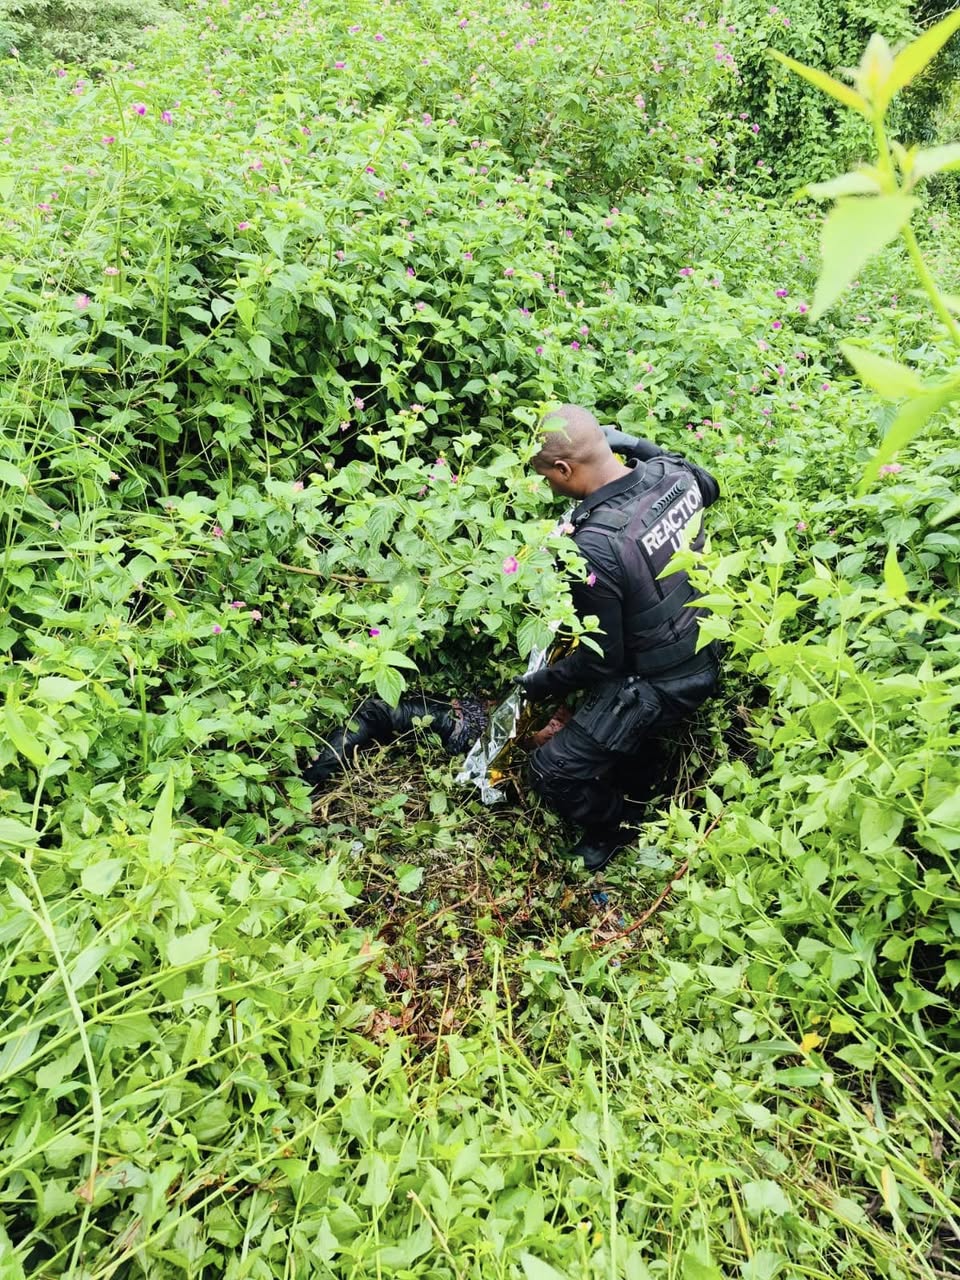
576,460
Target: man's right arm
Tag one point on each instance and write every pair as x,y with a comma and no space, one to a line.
645,450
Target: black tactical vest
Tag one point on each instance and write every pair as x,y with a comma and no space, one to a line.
660,629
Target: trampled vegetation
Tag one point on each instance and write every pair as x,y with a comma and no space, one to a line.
280,302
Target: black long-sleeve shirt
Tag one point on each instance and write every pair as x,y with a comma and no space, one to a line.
601,593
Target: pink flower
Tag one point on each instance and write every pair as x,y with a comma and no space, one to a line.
591,579
410,271
256,615
166,117
140,108
373,631
802,308
508,271
539,351
781,293
298,486
111,271
238,604
217,629
777,324
108,140
686,271
574,346
216,531
754,128
801,526
339,66
891,468
358,403
511,564
243,226
379,37
81,302
824,386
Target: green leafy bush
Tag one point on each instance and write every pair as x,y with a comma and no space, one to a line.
80,32
274,333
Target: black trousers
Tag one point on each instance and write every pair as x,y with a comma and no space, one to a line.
610,747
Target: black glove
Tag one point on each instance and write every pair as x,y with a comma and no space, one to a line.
535,685
619,441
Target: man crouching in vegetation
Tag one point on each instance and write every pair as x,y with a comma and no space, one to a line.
630,521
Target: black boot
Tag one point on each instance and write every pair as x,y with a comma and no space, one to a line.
599,844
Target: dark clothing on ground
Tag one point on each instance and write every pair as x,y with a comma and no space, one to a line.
457,722
649,675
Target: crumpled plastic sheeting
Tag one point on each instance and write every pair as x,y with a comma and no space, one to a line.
501,729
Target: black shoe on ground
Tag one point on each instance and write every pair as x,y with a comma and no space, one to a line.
599,844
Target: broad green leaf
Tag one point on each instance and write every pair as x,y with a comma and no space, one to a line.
765,1196
946,814
24,741
861,1056
905,426
653,1033
696,1264
936,160
88,963
57,688
160,840
874,71
949,512
409,878
857,228
848,184
188,948
16,833
389,684
891,380
910,61
835,88
13,476
537,1269
100,877
893,576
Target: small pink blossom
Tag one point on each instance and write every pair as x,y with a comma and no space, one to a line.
574,346
777,324
298,486
824,386
339,66
591,579
243,226
891,468
511,564
81,302
217,629
686,271
373,631
216,531
108,139
508,271
111,271
238,604
802,308
379,37
140,108
358,403
801,526
781,293
166,117
256,615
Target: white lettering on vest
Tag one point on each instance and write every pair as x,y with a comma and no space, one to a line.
670,526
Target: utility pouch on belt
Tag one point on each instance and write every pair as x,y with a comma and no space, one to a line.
618,713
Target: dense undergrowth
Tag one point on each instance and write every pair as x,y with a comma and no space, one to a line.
279,307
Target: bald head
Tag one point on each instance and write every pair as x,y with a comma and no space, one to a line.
573,434
574,457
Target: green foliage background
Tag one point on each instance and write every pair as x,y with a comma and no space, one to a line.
274,332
